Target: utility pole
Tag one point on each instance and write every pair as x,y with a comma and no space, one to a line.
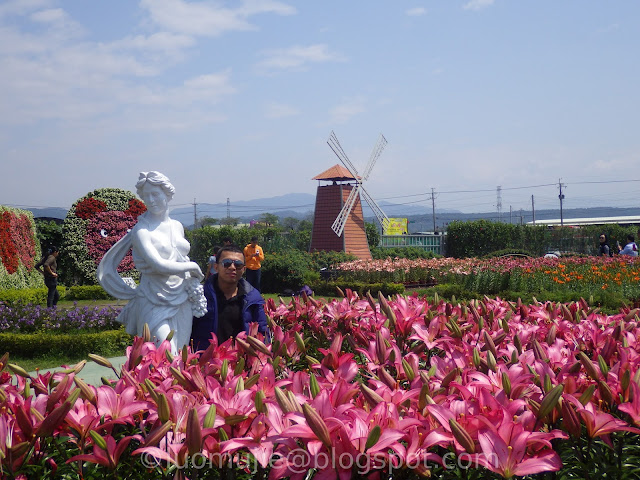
228,208
195,214
533,210
510,214
561,197
433,209
499,202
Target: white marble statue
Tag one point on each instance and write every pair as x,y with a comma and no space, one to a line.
169,293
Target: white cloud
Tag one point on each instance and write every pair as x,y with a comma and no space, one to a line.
342,113
478,4
416,11
297,57
22,7
208,19
280,110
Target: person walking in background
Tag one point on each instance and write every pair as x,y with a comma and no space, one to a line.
253,257
630,248
48,267
605,248
212,262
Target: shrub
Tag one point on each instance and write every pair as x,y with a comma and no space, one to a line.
67,345
412,253
87,292
330,289
28,295
285,270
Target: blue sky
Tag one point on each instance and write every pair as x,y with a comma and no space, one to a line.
237,99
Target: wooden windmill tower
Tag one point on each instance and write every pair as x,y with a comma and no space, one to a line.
338,222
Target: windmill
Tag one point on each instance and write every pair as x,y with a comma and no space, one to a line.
338,221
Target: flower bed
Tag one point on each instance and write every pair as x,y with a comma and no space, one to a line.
29,318
398,388
586,275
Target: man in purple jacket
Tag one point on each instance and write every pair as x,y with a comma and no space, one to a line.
232,303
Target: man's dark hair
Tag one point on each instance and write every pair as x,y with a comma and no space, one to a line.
228,248
631,238
227,240
254,239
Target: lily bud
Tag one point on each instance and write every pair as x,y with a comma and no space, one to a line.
313,385
210,417
605,392
300,342
234,419
491,362
462,436
18,370
506,384
86,390
476,357
488,344
164,412
156,435
517,343
193,432
258,345
185,355
100,360
170,336
146,333
246,347
449,377
625,380
549,401
259,402
424,398
317,424
222,435
340,292
372,397
408,370
604,368
588,365
587,394
239,385
373,437
239,368
551,335
251,381
98,440
283,400
168,356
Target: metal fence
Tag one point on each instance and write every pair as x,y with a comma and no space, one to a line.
431,243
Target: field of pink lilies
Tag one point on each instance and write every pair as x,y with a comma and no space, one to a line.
396,388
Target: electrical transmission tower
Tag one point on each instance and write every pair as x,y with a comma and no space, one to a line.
499,202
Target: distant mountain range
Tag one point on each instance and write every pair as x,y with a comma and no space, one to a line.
301,206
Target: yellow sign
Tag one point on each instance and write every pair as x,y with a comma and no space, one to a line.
397,226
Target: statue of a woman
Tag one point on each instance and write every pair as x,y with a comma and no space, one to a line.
169,293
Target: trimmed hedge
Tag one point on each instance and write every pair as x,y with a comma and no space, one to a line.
28,295
34,345
87,292
329,288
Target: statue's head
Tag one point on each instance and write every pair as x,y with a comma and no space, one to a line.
156,179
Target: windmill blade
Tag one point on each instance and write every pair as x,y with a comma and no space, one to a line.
337,149
341,219
380,215
375,154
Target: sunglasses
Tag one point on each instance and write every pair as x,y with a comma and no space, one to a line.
227,262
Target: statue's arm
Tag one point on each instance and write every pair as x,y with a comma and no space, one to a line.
144,247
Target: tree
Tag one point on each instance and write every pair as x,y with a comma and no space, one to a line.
230,221
373,237
208,221
269,219
290,223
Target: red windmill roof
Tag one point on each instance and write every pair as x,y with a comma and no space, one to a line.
337,172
